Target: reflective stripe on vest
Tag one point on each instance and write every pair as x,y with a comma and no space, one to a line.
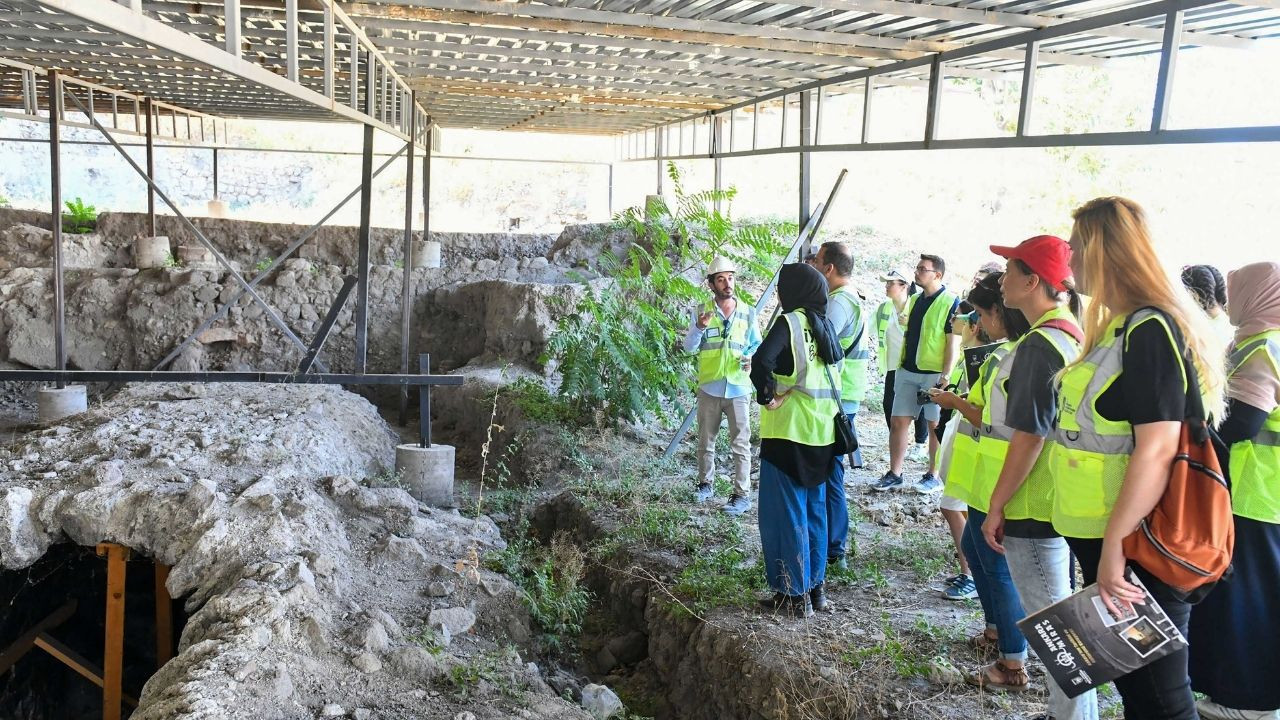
1255,463
1089,453
807,414
853,369
721,356
1034,498
884,314
931,348
964,453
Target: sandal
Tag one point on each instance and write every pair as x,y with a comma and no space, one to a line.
999,676
982,641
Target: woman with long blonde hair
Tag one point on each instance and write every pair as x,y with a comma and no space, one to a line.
1120,412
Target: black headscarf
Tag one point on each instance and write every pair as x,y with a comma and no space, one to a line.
801,287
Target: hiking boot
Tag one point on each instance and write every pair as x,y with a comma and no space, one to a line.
818,598
888,481
737,505
928,485
797,606
962,589
703,493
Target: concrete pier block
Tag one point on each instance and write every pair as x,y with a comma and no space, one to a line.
428,472
196,256
217,208
54,404
150,252
426,254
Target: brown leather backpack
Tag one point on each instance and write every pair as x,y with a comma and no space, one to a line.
1188,538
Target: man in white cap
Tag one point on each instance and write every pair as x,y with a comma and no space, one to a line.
725,334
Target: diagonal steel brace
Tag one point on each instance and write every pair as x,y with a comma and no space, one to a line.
271,313
222,311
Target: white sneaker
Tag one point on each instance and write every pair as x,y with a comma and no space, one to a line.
918,453
1210,710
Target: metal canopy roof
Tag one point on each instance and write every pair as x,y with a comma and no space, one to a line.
603,66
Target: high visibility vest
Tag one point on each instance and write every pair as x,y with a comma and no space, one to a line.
1089,453
807,414
1255,463
886,314
723,342
964,452
933,341
1034,499
853,341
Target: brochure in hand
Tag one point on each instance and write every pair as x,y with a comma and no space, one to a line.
1083,645
973,359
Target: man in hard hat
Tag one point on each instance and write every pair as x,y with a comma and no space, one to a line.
725,334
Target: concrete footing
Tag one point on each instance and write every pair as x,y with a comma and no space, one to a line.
54,404
427,472
426,254
151,252
217,208
196,256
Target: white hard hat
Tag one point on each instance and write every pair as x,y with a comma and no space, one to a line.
721,264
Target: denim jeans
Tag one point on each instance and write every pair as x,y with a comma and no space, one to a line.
837,513
1041,570
793,531
1001,605
1161,690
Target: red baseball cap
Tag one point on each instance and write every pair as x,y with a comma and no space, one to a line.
1048,256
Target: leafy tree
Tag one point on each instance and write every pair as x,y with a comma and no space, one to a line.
619,350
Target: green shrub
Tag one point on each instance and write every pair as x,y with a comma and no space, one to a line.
79,218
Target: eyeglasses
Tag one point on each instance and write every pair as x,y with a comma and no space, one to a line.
922,268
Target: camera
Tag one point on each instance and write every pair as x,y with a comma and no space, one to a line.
923,397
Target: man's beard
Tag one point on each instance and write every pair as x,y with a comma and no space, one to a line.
723,295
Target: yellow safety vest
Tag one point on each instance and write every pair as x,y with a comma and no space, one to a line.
885,314
723,342
1034,499
964,452
1255,463
853,369
1089,453
933,341
806,415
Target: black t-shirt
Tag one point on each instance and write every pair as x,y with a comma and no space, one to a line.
915,321
1151,387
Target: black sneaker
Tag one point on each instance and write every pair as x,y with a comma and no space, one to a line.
798,606
818,598
888,481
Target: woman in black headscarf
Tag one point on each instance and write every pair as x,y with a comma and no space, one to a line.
797,440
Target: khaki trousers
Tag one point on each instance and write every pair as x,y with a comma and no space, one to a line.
710,409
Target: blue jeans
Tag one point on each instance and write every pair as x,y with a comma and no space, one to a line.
837,513
1041,569
793,531
1001,605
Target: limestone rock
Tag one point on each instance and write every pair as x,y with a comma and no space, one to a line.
601,702
456,620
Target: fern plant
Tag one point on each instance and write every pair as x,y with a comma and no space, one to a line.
619,350
79,218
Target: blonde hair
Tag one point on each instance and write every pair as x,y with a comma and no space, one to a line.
1123,274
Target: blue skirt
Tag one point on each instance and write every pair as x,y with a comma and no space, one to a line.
1235,631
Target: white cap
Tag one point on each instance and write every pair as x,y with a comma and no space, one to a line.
719,265
895,275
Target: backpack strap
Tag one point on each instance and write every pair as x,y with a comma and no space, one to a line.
1069,328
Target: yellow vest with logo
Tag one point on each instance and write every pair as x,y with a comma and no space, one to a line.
1255,463
723,342
1089,453
933,341
807,414
853,369
964,452
1034,499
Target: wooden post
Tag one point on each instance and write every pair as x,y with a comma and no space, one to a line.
164,617
113,652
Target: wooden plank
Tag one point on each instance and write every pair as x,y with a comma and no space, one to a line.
76,661
164,617
113,651
20,647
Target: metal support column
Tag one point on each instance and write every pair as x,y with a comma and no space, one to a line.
231,21
215,173
291,39
354,72
406,290
328,51
1028,87
717,141
934,105
362,268
867,90
1168,60
55,176
805,159
151,167
609,205
424,403
113,651
657,154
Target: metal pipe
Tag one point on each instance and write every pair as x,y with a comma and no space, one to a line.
933,106
406,290
151,168
291,39
1168,61
215,376
806,159
55,176
1029,65
424,403
362,262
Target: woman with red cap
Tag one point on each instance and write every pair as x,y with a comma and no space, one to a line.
1037,281
1120,413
